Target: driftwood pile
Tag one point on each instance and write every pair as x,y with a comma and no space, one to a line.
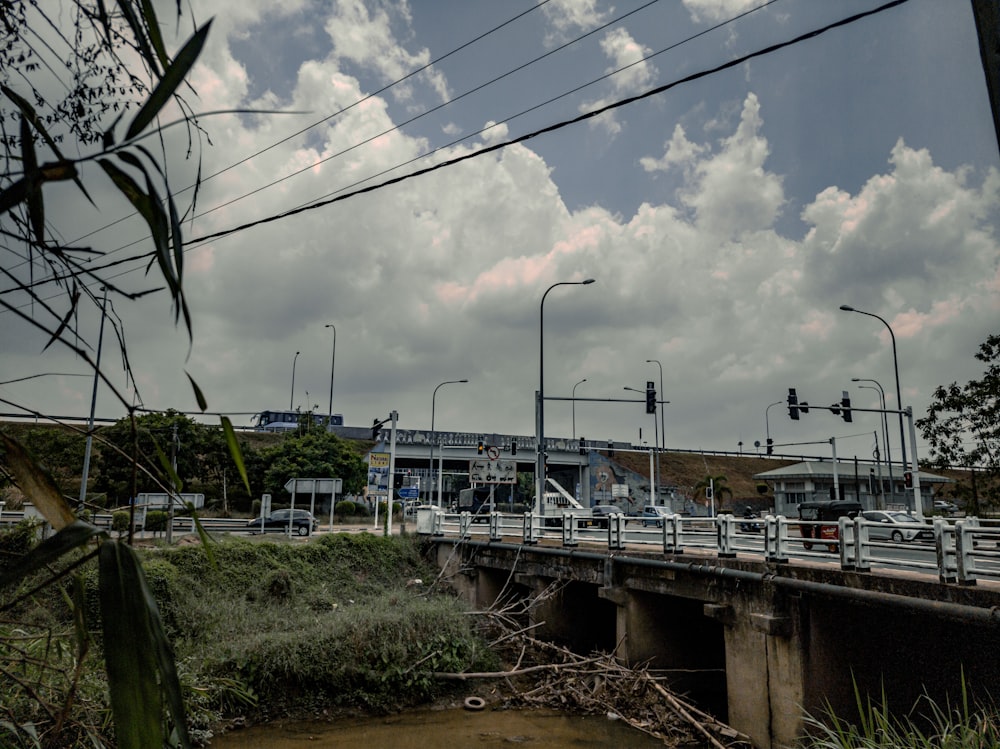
545,675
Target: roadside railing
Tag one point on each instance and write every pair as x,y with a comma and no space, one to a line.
960,551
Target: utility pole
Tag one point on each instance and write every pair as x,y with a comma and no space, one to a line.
171,497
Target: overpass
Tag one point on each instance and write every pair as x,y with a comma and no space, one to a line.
753,626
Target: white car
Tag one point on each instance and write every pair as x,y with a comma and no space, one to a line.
896,526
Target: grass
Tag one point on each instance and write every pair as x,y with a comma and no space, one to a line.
928,725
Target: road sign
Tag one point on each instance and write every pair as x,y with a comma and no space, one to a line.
378,474
493,471
409,492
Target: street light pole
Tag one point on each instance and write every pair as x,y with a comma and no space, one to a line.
291,398
540,405
430,472
93,403
333,362
885,428
895,363
574,405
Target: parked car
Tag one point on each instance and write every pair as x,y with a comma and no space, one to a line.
895,526
303,522
947,508
601,513
654,515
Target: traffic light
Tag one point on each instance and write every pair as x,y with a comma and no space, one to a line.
583,446
513,447
770,445
611,449
479,449
908,479
650,398
793,405
845,407
376,428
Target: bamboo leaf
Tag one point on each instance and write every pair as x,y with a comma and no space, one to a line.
73,536
153,27
13,195
36,484
172,78
129,652
199,396
235,452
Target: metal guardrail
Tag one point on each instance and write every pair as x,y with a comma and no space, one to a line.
961,552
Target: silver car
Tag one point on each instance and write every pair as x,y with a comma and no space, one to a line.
895,526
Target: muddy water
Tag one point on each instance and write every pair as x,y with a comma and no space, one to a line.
452,729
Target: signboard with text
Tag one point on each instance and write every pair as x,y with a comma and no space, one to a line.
492,471
378,474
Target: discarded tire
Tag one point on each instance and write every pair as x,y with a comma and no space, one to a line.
474,703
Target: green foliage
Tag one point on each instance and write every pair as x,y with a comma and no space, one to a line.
17,540
962,426
345,508
315,454
120,522
156,521
928,726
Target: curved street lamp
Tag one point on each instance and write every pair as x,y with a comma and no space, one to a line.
540,405
430,473
333,362
291,398
767,424
885,426
574,405
899,397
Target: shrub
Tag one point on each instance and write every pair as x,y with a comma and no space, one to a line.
156,521
119,522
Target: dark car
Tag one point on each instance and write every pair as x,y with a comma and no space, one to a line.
303,523
601,513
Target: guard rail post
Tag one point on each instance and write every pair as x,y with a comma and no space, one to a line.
862,547
532,532
437,521
672,534
496,531
464,524
944,547
776,539
570,530
965,563
848,542
616,531
725,528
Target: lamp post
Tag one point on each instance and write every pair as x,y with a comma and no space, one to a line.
574,405
663,428
291,398
430,465
899,397
540,405
93,403
333,362
885,426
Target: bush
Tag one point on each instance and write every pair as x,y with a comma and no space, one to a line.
119,522
156,521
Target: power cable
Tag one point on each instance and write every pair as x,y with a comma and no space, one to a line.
192,243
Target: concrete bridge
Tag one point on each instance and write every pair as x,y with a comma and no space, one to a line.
754,640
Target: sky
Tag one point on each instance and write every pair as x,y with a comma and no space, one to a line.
724,221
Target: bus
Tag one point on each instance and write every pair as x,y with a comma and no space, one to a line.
284,421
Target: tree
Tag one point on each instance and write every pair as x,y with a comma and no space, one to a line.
962,427
718,486
315,454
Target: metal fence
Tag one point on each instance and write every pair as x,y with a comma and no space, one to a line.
960,551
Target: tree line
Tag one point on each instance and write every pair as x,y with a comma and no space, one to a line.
175,452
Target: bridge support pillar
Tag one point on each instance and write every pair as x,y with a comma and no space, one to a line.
764,674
